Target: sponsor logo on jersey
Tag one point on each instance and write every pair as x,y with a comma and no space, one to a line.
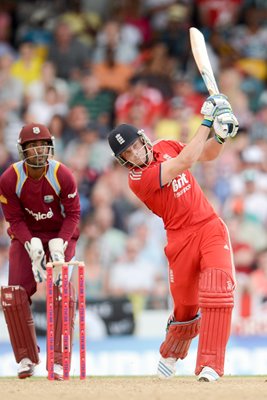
180,185
3,199
39,216
72,195
49,198
182,191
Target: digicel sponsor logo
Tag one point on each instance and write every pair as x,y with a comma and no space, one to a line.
39,215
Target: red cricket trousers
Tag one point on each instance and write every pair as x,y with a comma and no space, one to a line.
190,252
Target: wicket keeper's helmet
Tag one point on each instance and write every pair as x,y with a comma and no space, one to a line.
34,132
122,137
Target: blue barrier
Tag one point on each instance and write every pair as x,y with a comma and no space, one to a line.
128,355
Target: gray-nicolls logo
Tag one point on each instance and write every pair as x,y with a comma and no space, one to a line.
119,138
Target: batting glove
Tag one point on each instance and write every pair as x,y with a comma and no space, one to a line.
225,125
57,249
214,106
37,255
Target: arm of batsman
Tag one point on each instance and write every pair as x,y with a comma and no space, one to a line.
225,125
37,255
57,249
215,105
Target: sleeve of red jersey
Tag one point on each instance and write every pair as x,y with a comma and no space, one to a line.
178,146
145,182
11,207
70,201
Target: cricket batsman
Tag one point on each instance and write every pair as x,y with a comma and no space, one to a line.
201,270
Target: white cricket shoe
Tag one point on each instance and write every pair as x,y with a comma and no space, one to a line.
58,372
166,367
26,368
208,375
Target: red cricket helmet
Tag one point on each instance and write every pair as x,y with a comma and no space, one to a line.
34,132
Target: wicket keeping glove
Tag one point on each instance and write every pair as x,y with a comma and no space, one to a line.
225,125
37,255
214,106
57,249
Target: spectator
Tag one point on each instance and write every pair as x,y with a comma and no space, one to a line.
131,13
122,39
111,241
175,35
250,41
44,109
259,127
68,55
11,91
97,102
27,67
157,69
179,124
37,89
184,89
132,275
77,119
140,103
95,275
111,74
214,14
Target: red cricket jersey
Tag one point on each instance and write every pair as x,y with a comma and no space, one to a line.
47,207
180,203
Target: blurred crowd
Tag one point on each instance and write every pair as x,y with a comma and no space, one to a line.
81,67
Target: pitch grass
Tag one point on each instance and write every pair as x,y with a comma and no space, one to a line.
135,388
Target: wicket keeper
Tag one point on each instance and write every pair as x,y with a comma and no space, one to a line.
40,202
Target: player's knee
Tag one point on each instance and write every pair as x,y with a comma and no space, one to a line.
216,289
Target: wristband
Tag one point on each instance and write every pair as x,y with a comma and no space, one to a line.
207,122
219,139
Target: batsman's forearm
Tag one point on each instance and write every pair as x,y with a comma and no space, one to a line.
188,156
191,153
211,150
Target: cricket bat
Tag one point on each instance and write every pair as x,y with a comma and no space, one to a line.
202,60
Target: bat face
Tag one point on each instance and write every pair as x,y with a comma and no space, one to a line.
201,57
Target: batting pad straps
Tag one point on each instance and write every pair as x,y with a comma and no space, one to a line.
216,303
178,338
20,323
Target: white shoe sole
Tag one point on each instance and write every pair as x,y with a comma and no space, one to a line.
208,375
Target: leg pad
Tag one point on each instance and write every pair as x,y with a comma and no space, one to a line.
216,303
179,337
20,324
